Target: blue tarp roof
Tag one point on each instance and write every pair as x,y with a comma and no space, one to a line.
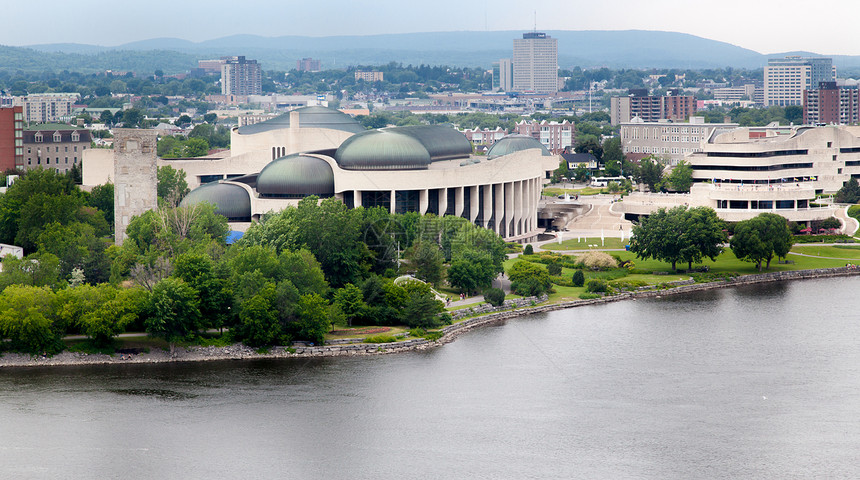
233,236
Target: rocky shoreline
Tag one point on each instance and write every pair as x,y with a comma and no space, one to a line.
450,333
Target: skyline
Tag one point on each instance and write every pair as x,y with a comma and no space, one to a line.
752,25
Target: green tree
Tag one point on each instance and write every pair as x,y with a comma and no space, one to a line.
758,239
101,197
494,296
182,120
578,278
702,235
660,236
39,269
422,310
613,156
258,321
681,177
350,301
195,147
650,172
428,261
849,193
312,316
27,319
213,290
172,186
528,279
174,312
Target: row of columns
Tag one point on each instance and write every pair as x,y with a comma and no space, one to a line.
514,210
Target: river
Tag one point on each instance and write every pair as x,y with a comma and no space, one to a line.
750,382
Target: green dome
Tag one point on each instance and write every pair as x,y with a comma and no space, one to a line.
515,143
296,176
382,150
309,117
413,147
232,201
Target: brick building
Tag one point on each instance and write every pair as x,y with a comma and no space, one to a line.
483,139
554,136
55,146
651,108
308,65
11,137
831,103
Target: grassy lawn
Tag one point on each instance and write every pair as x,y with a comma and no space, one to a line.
393,331
583,244
836,251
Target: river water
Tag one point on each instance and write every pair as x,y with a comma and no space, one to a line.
751,382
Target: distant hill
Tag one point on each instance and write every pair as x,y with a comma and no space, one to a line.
614,49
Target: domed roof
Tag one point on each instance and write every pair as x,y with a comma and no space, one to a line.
382,150
515,143
413,147
309,117
232,201
296,175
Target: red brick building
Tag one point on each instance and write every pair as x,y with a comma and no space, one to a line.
11,137
830,103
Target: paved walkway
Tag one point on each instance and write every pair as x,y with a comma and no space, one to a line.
598,220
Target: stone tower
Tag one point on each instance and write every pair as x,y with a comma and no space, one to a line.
135,176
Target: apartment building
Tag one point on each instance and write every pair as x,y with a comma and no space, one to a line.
240,76
553,135
308,65
11,137
650,108
831,103
368,76
503,75
483,138
46,107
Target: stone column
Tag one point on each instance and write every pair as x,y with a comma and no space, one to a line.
510,227
423,201
459,205
488,206
443,201
393,196
356,198
501,219
473,203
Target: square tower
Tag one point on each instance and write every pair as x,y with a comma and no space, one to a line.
535,63
135,176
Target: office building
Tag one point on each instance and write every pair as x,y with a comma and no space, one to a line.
241,77
785,79
535,63
11,137
831,103
670,141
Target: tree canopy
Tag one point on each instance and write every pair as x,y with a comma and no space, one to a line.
759,239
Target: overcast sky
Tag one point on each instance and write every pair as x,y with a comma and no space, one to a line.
766,27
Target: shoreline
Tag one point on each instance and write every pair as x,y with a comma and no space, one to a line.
450,332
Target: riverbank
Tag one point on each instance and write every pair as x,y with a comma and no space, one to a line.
450,332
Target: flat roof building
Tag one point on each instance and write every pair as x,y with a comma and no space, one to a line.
241,77
535,63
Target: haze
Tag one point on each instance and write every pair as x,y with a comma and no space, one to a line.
764,27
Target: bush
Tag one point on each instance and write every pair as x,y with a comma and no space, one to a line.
382,338
597,285
528,250
596,260
588,296
554,269
494,296
578,278
528,279
433,336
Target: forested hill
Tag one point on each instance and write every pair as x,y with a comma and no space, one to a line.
614,49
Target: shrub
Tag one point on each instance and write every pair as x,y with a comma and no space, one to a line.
588,296
578,278
596,260
433,336
528,250
528,279
596,285
494,296
380,339
554,269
